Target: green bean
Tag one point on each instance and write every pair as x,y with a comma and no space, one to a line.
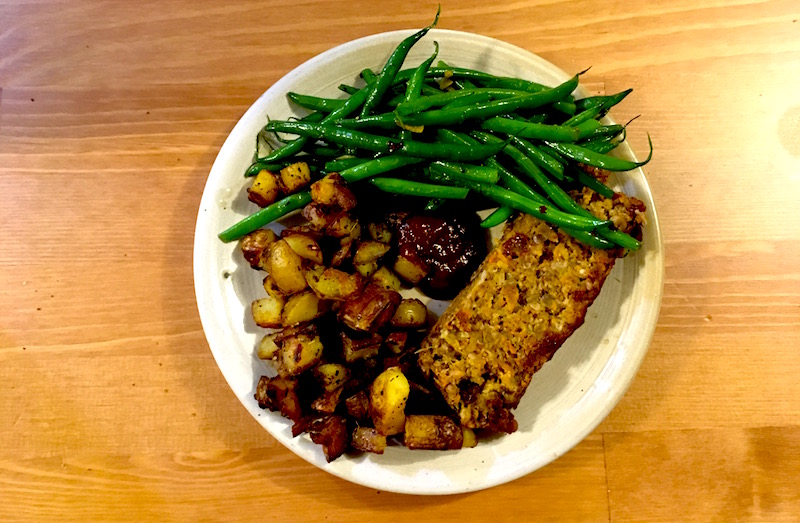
383,144
536,131
470,99
473,173
411,188
376,166
605,102
256,167
374,121
592,183
315,103
391,67
590,157
434,203
265,216
438,100
415,84
343,163
349,89
499,215
540,158
487,110
588,114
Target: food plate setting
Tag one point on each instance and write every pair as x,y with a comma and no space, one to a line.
566,399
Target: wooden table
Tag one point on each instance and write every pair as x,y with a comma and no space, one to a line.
112,407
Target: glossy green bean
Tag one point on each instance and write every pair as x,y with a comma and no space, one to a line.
595,159
545,161
536,131
499,215
444,98
315,103
473,173
412,188
265,216
377,166
343,163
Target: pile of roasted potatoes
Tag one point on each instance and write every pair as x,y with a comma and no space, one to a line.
342,339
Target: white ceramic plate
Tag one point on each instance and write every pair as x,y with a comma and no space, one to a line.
565,401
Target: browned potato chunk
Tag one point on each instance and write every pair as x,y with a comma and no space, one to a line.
410,314
396,342
333,284
294,177
304,245
367,439
318,216
264,190
380,232
432,432
298,354
370,251
255,245
332,191
388,395
328,401
267,348
358,406
267,311
279,394
411,268
470,440
359,346
344,226
330,431
331,375
271,289
371,309
386,279
302,307
286,268
344,253
366,269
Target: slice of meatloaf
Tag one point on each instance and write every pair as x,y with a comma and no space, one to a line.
527,297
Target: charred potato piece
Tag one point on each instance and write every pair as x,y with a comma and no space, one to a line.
286,268
386,279
328,401
331,375
388,395
396,342
304,245
318,216
330,431
267,348
267,311
357,406
294,177
279,394
410,314
298,354
358,346
380,232
370,310
344,226
432,432
332,191
255,245
411,268
344,253
265,189
302,307
367,439
333,284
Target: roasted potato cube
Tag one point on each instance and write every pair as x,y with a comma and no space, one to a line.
370,251
286,268
380,232
298,354
386,279
294,177
279,394
388,395
371,309
344,253
366,269
267,348
318,216
410,314
357,406
411,268
344,226
359,346
367,439
328,401
304,245
469,439
396,342
301,307
332,191
432,432
331,375
255,245
271,289
330,431
265,189
333,284
267,311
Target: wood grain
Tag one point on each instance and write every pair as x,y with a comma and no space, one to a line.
112,407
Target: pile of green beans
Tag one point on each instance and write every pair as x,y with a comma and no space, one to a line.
451,133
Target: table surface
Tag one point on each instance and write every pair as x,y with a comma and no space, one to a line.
112,407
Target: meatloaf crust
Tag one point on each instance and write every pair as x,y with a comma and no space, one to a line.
527,297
